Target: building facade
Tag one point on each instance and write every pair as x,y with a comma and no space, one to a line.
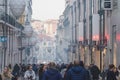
61,42
44,50
93,31
10,30
13,31
28,38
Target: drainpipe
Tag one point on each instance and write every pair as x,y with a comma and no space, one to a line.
84,30
84,21
75,26
78,28
5,33
72,32
113,41
12,54
100,34
21,49
90,30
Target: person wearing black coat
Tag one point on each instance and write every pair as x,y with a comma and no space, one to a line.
52,73
111,74
88,75
95,72
0,77
16,72
41,71
77,72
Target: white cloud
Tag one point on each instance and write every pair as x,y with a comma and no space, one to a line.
47,9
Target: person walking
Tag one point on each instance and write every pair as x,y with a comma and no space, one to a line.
0,77
63,71
16,72
76,72
111,74
23,69
6,74
119,72
10,67
41,71
95,72
86,68
35,68
52,73
29,74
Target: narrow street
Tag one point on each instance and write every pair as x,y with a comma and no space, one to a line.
58,38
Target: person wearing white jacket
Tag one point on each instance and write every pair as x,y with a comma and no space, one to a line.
29,74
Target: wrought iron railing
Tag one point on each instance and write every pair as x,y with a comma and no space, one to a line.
10,20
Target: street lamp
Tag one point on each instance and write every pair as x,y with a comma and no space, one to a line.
33,42
17,9
28,32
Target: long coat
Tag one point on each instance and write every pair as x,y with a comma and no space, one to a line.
7,76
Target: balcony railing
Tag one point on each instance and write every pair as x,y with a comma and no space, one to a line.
10,20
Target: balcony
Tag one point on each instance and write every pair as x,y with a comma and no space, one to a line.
10,20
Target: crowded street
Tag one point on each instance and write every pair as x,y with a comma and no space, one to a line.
52,71
59,39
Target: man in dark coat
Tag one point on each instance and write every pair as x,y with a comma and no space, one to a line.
95,72
16,71
0,77
52,73
111,74
35,68
77,72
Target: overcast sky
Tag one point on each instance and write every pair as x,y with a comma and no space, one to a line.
47,9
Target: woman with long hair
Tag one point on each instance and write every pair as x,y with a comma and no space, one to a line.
6,74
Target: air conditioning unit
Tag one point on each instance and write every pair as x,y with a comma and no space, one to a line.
108,4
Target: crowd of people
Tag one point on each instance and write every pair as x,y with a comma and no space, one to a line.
52,71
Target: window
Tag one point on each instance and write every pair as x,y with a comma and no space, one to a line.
108,5
115,4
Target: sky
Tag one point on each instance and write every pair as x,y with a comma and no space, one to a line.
47,9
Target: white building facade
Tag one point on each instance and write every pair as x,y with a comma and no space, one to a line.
45,48
28,39
92,33
10,30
